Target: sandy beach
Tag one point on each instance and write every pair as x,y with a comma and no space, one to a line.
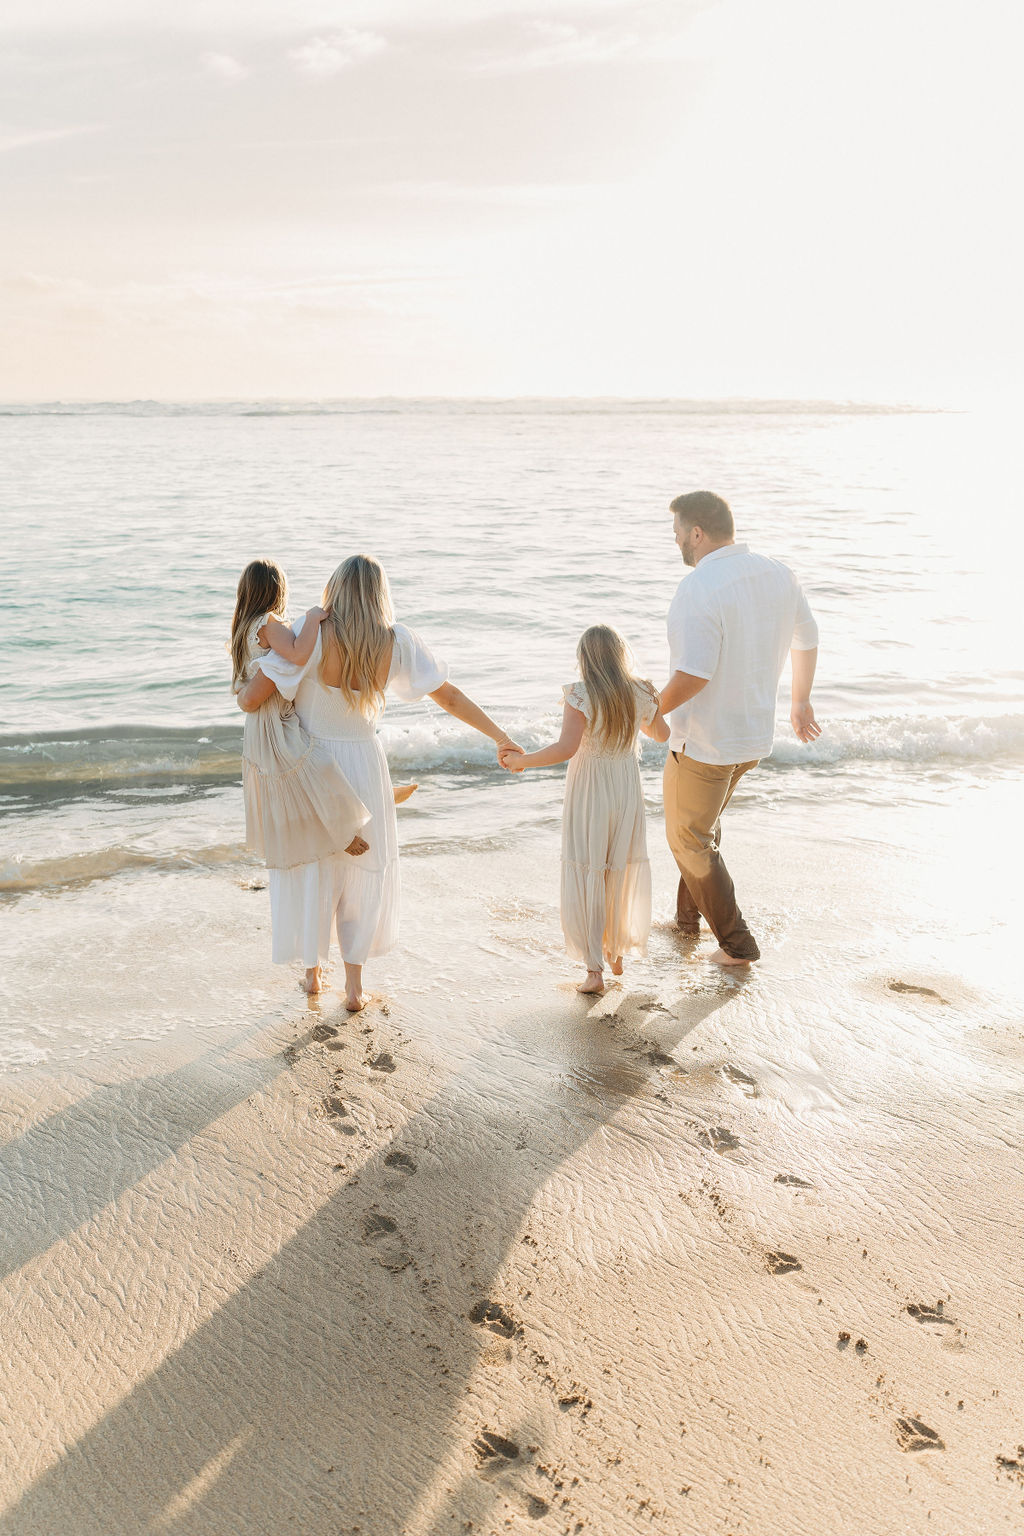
717,1254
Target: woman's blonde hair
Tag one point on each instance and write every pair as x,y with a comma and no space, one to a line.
359,625
606,669
262,589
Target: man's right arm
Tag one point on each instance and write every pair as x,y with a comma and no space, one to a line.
255,692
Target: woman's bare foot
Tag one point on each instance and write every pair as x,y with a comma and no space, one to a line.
314,980
593,984
616,965
357,846
355,998
402,792
719,957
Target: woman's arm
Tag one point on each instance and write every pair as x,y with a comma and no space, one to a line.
255,692
296,648
565,747
454,702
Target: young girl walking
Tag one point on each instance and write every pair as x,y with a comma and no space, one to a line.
299,806
606,877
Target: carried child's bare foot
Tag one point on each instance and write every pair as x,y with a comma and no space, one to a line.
594,983
616,965
314,980
719,957
402,792
357,846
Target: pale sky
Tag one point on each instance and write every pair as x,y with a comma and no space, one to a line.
238,198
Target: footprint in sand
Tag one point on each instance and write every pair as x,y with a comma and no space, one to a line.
491,1315
781,1263
719,1139
383,1234
401,1162
912,1435
494,1451
334,1109
323,1032
383,1062
908,986
741,1079
921,1313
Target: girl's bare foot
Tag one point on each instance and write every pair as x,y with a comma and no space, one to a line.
402,792
616,965
719,957
593,984
314,981
357,846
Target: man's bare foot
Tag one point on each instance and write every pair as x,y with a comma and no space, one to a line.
719,957
594,983
357,846
616,965
402,792
314,980
355,1002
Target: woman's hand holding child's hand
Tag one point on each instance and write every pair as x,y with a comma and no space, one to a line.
510,758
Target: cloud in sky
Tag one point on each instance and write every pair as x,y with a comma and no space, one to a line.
223,66
322,57
664,197
23,138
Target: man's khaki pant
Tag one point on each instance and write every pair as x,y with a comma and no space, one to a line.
696,794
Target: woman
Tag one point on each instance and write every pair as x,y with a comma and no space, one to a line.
360,656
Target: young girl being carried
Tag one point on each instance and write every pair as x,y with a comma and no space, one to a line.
606,877
299,806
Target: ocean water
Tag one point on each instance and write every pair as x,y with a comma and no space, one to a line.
506,528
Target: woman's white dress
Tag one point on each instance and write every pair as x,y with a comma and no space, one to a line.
606,876
357,895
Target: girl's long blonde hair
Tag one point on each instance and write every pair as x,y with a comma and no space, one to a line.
606,669
261,589
359,626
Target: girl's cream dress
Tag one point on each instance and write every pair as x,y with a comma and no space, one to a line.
299,806
606,876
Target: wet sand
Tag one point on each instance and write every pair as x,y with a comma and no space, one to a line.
720,1254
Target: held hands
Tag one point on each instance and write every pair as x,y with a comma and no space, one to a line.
508,752
803,722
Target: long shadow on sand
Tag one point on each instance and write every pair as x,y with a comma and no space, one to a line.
268,1418
67,1167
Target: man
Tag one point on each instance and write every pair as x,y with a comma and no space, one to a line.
729,627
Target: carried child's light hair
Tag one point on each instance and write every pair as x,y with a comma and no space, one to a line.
261,589
606,669
359,624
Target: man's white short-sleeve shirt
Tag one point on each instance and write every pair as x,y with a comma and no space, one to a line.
733,620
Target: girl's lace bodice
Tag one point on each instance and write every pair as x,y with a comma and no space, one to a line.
577,695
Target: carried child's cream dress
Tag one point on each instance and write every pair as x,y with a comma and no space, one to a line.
606,876
299,806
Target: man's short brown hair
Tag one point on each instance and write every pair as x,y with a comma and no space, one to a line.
703,509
